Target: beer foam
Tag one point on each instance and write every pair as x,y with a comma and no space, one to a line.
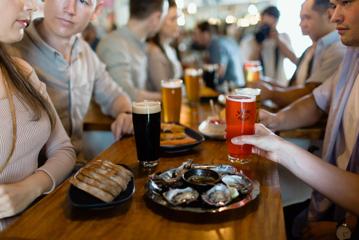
241,98
192,72
146,107
177,83
248,91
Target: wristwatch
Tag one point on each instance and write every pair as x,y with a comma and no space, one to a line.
343,231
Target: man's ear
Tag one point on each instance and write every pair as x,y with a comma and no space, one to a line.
98,9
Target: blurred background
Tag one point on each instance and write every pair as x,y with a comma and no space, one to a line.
239,16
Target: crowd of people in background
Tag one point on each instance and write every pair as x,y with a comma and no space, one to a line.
46,102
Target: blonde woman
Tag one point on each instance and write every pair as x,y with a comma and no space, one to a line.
28,124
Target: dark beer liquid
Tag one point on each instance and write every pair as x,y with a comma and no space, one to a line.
147,135
209,78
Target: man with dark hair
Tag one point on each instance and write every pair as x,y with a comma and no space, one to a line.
319,61
331,212
269,47
223,51
124,50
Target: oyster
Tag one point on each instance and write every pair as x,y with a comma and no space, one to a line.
174,175
156,185
239,182
224,169
181,196
218,196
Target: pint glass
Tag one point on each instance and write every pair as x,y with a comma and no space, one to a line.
147,126
210,75
192,81
240,119
171,100
252,92
253,71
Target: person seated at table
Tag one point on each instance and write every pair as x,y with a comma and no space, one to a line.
124,50
223,51
163,62
318,63
90,35
269,47
28,123
70,69
336,179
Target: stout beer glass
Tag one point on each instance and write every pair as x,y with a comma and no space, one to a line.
147,125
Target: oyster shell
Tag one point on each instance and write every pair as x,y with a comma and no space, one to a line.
174,175
239,182
218,196
224,169
181,196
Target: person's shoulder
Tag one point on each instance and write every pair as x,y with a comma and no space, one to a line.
29,73
153,48
23,65
113,41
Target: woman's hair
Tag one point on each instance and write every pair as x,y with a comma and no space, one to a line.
16,76
156,39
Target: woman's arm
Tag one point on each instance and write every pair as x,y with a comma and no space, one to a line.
340,186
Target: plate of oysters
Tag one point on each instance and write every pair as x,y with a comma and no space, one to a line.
176,138
201,188
101,184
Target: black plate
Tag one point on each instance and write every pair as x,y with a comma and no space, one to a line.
184,147
82,199
200,206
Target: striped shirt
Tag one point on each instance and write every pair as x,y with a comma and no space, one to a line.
32,137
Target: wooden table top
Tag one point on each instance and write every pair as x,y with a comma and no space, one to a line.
54,218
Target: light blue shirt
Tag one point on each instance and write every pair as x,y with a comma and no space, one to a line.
225,51
332,97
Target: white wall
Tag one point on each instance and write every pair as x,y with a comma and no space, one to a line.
289,23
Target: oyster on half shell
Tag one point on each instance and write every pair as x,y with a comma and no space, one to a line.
218,196
241,183
181,196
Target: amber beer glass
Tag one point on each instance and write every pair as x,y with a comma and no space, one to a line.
146,117
253,71
192,78
171,100
240,119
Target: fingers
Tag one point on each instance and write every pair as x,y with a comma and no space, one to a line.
247,139
122,126
260,129
268,119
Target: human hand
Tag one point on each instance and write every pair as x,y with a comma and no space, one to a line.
14,198
270,120
323,230
122,125
265,142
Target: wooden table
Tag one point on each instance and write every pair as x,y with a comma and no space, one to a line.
54,218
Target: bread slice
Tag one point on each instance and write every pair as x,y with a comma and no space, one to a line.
102,179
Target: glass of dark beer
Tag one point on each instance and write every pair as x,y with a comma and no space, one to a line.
147,125
210,75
